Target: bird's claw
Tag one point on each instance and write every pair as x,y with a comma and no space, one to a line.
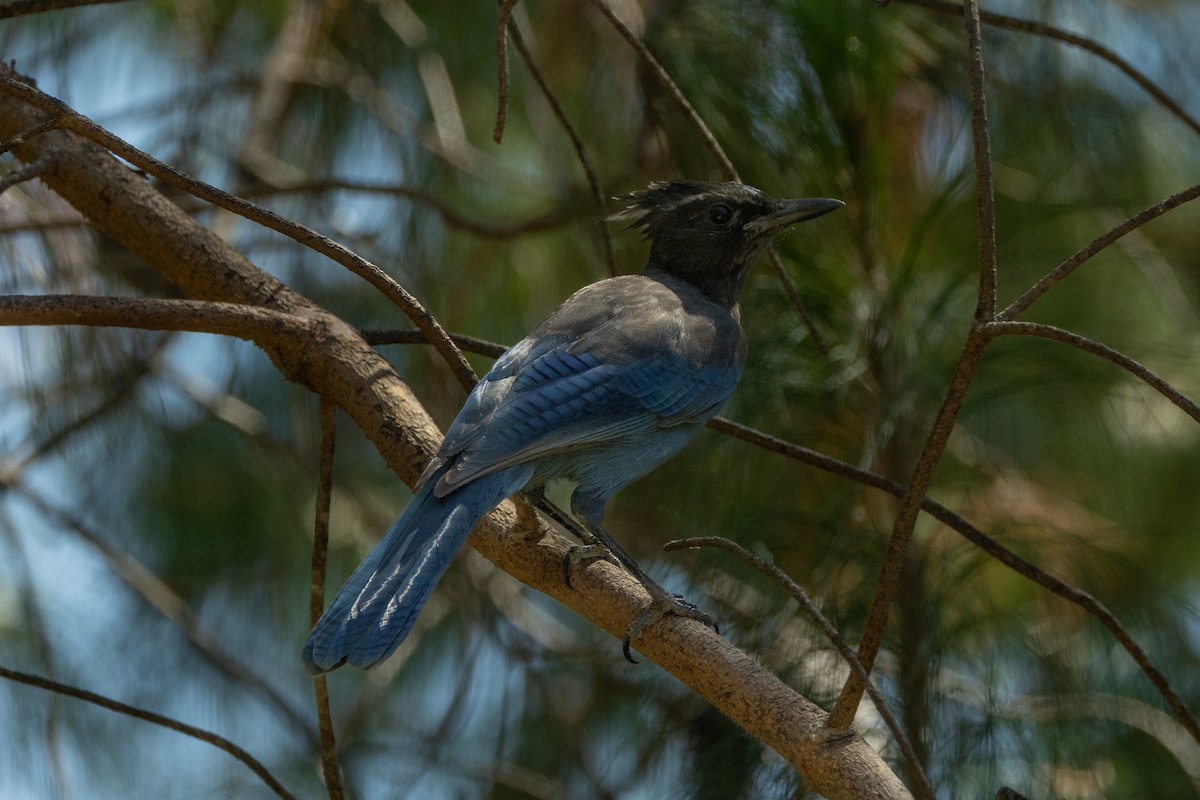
657,609
586,552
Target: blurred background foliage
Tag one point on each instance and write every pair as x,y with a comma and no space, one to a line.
156,527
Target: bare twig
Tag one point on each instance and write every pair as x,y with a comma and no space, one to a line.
1056,334
25,173
502,20
968,363
668,83
17,8
1064,269
329,760
81,125
576,141
905,522
229,319
985,308
219,742
24,136
471,344
771,570
1082,42
793,294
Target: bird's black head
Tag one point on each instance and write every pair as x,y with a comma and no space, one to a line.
709,233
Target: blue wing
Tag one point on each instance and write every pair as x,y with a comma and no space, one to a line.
542,401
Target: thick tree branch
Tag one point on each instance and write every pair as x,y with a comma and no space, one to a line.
776,574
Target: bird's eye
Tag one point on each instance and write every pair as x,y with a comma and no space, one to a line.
719,215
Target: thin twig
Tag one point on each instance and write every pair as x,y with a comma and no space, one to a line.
25,136
329,760
910,504
502,20
1056,334
985,199
25,173
576,141
771,570
81,125
793,294
215,740
252,323
905,522
17,8
668,83
1064,269
1082,42
471,344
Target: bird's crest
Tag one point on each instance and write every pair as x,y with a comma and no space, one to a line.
661,197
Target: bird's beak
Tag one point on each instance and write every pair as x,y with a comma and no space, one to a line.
790,212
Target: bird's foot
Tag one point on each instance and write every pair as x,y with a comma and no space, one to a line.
587,552
661,604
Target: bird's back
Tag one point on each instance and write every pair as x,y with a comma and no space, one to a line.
626,368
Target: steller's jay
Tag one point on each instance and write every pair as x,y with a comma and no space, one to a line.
614,383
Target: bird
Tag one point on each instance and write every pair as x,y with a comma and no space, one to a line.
616,381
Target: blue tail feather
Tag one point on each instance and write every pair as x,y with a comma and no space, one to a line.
376,608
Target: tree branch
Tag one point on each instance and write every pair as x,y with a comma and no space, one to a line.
985,199
69,119
773,572
1104,351
1051,279
329,760
17,8
1074,39
576,141
219,742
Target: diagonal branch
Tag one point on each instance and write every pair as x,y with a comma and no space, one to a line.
1052,278
1056,334
964,372
1074,39
576,141
776,574
215,740
71,120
